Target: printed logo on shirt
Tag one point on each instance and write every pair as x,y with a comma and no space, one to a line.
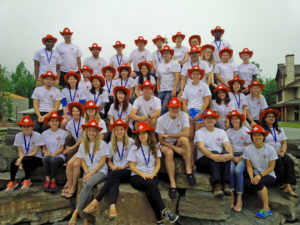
227,106
265,156
218,139
32,142
258,102
168,68
242,138
150,108
143,57
54,57
87,87
72,49
178,125
77,95
99,63
51,96
58,138
101,96
200,90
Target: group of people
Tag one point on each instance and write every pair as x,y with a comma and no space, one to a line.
184,102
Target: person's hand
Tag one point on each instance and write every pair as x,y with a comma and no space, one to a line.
252,123
148,176
197,117
179,94
67,149
217,158
133,74
18,162
21,167
191,119
215,85
282,154
41,119
227,157
236,159
143,118
165,136
173,93
86,177
256,179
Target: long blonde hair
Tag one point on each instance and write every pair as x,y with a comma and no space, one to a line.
86,143
211,60
258,95
114,143
87,119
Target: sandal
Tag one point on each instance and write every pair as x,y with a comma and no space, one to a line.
72,223
112,213
69,195
90,208
291,192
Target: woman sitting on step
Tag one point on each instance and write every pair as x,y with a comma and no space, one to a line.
119,147
30,157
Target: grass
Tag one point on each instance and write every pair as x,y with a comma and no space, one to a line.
290,124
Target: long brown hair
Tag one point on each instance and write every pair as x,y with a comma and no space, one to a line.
125,102
151,142
114,143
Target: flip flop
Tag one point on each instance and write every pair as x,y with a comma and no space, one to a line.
70,195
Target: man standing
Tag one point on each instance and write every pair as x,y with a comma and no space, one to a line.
70,55
95,62
156,55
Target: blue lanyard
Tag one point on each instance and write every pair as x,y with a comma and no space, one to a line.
193,65
120,114
146,160
108,88
91,158
27,146
121,155
78,126
72,98
125,82
49,58
274,135
159,58
218,46
119,62
238,102
96,100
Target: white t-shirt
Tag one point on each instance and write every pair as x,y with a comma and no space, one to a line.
71,95
238,100
246,72
129,83
117,61
46,97
223,109
93,160
255,105
120,158
146,107
195,95
73,126
68,54
239,138
35,140
279,136
218,46
189,65
85,86
213,140
137,56
136,155
119,114
166,73
179,53
226,70
260,158
166,125
98,98
109,86
54,140
96,64
157,57
48,60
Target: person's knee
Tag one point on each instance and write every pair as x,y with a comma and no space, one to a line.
238,171
184,141
169,154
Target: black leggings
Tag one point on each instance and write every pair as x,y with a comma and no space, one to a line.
265,181
111,184
29,163
284,169
51,165
39,127
151,190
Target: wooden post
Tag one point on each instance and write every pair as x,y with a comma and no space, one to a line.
285,112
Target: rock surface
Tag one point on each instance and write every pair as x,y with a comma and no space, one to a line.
202,182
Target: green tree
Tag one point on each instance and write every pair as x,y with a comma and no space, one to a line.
6,106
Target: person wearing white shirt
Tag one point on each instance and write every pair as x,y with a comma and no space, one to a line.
156,55
118,59
284,167
195,60
125,79
219,43
195,97
95,61
208,56
145,69
146,108
70,55
173,133
46,99
139,55
180,51
211,157
195,40
260,161
247,71
54,139
29,157
93,153
119,148
239,139
47,59
144,162
222,105
85,85
168,75
256,102
225,70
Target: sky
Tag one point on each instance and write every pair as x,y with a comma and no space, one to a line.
271,28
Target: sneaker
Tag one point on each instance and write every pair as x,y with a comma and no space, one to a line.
47,186
263,213
11,186
26,184
172,193
191,179
218,193
226,189
53,187
172,217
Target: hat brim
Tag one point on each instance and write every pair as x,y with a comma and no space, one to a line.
207,46
223,89
122,45
118,88
51,76
143,130
45,39
265,112
190,71
194,37
157,39
46,120
216,116
66,76
143,86
230,51
112,126
126,68
173,105
167,50
92,107
265,133
85,126
99,48
241,116
250,53
242,82
26,124
63,33
136,42
260,85
175,36
89,69
101,79
214,30
73,104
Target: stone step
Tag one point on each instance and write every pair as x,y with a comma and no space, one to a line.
202,182
13,130
132,206
33,205
179,166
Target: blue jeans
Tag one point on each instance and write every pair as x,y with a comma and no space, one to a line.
236,180
165,97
